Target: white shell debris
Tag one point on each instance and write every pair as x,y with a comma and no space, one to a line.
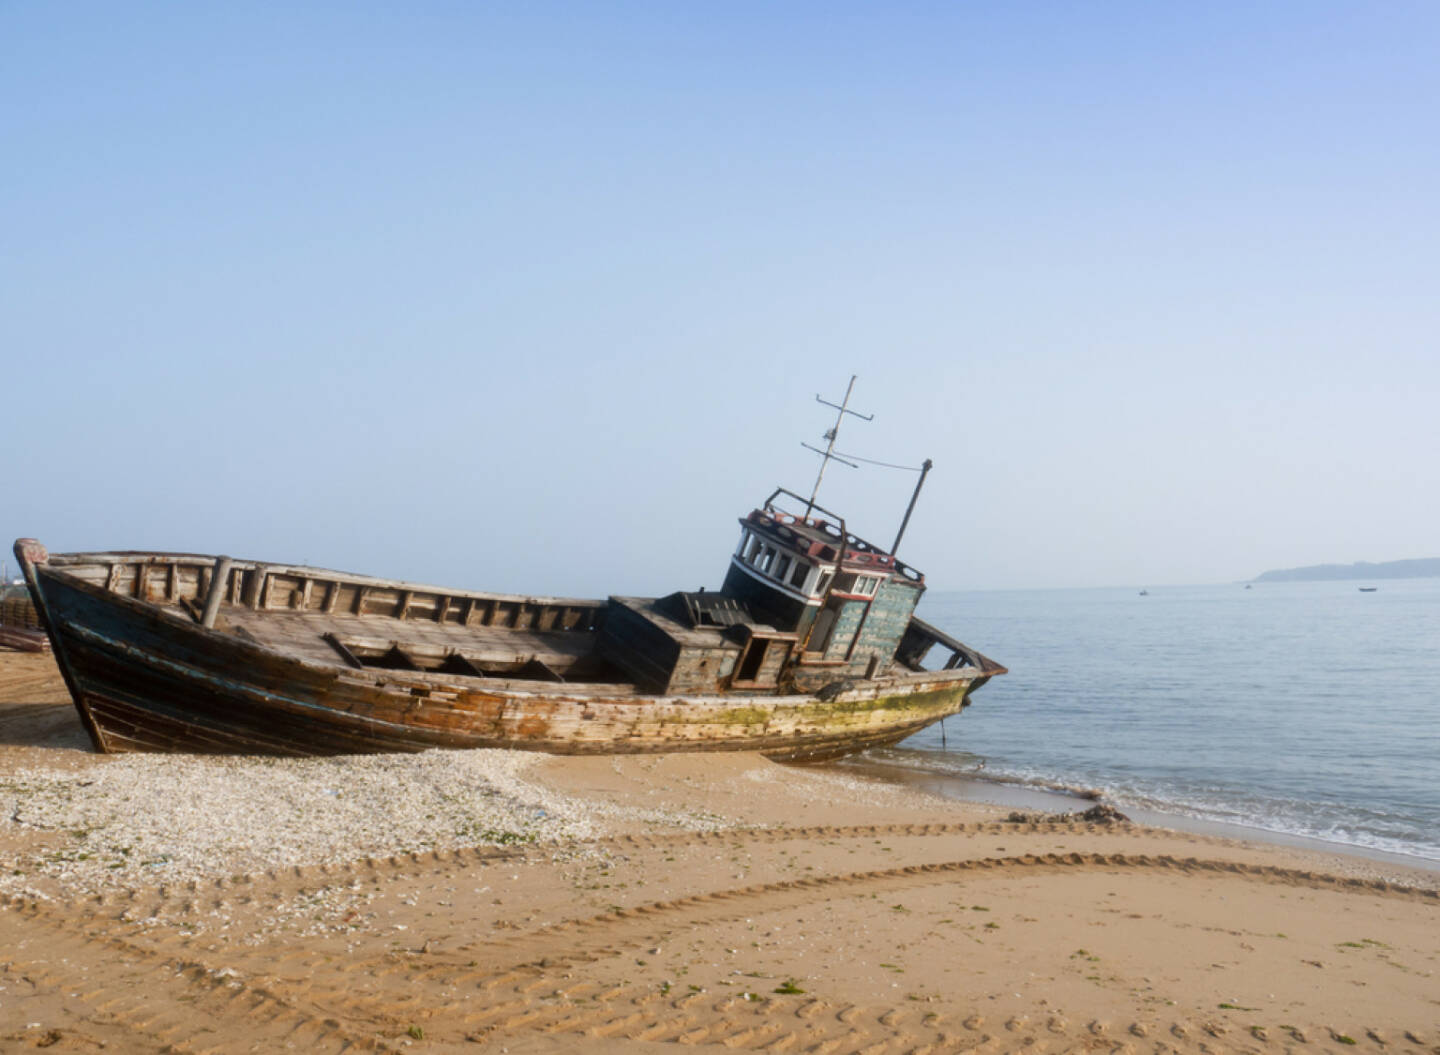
143,819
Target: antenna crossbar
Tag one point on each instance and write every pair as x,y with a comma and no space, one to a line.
837,457
829,452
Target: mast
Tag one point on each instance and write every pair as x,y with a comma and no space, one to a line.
924,472
842,409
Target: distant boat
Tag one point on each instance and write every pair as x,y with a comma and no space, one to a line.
1144,593
1368,589
1247,586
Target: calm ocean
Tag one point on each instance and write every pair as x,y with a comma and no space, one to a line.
1303,708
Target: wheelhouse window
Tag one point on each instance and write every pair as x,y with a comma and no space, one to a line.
858,585
787,568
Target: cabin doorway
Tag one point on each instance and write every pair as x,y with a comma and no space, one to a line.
824,628
752,660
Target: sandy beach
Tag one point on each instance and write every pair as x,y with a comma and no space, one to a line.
458,901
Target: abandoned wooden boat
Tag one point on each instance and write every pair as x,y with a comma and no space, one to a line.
810,650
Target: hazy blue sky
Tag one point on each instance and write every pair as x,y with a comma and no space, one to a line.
538,297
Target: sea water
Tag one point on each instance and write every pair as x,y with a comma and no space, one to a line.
1308,709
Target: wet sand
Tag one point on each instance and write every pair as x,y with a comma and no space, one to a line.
534,904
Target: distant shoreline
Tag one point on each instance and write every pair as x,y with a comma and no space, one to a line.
1420,568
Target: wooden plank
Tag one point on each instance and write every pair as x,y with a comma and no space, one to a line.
218,576
339,646
254,587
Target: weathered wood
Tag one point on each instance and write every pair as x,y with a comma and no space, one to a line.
219,576
22,639
376,665
345,653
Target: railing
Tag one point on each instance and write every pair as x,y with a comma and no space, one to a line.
190,580
856,549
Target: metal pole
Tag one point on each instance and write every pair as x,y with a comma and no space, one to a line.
830,447
924,471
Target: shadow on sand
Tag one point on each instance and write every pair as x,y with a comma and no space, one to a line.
51,725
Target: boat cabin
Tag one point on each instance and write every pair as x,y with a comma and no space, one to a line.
804,604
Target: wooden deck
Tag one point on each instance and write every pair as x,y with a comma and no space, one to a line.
303,634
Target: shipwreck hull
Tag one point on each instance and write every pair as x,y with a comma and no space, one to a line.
147,677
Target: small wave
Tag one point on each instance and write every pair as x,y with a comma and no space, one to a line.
1259,819
972,767
1210,804
1078,791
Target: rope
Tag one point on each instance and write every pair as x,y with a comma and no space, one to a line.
886,465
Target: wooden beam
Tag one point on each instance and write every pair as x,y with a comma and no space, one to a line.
339,646
219,576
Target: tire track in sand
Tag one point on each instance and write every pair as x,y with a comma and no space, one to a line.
177,900
308,999
156,997
509,992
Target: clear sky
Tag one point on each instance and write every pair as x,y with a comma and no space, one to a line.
538,297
